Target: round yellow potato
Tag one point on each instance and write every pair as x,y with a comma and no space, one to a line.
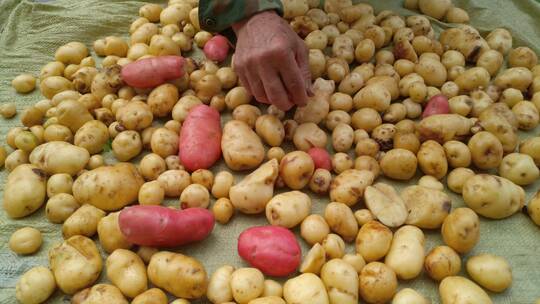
35,286
219,286
83,221
60,207
442,262
296,169
288,209
126,270
26,240
373,241
18,201
246,284
333,246
378,283
519,168
194,195
24,83
456,289
399,164
409,296
461,230
340,219
406,253
305,288
99,293
110,236
341,281
457,178
314,229
491,272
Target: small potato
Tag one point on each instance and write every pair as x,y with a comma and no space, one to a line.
135,115
491,60
433,72
314,260
518,78
83,221
270,129
178,274
409,296
461,230
456,289
320,181
377,283
511,97
151,166
342,137
432,159
522,57
526,114
442,262
71,53
194,196
414,110
151,193
223,210
17,200
493,196
407,141
275,152
8,110
126,145
309,135
333,246
399,164
14,159
24,83
164,142
53,85
272,289
530,147
115,46
406,254
363,216
26,240
246,284
491,272
341,220
76,263
341,281
183,107
60,207
35,286
373,241
242,148
427,208
142,34
222,183
162,99
247,113
457,178
368,163
127,271
151,296
386,205
366,119
314,229
533,208
296,169
288,209
305,288
457,154
473,78
519,168
316,40
341,188
341,162
373,96
92,136
341,101
486,150
500,40
351,84
219,287
150,12
26,141
110,236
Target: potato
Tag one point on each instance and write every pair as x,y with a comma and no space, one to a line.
373,241
317,63
427,208
219,288
442,262
309,135
473,78
164,142
501,122
348,187
457,178
151,193
444,127
490,271
83,221
246,284
253,193
486,150
314,229
457,154
72,114
76,263
377,283
406,254
15,158
108,81
222,184
491,60
373,96
314,260
461,230
59,157
341,220
174,182
242,148
341,162
341,281
162,99
26,240
18,201
526,115
135,115
247,113
194,196
268,300
71,53
151,166
531,147
456,289
500,40
270,129
493,196
518,78
183,107
409,296
522,57
151,296
24,83
399,164
296,169
385,204
92,136
305,288
60,207
334,246
519,169
288,209
188,274
99,293
35,286
533,208
126,270
109,187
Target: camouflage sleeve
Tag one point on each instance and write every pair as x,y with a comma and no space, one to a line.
218,15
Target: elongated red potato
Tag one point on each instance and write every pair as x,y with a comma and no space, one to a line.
437,104
321,158
217,48
200,138
152,72
158,226
273,250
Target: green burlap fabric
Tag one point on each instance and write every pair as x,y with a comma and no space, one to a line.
30,31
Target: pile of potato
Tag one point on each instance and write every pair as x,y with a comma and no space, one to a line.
396,100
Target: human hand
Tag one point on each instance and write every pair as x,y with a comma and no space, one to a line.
272,61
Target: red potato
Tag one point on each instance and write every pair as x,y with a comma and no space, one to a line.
437,104
272,249
152,72
200,138
217,48
321,158
158,226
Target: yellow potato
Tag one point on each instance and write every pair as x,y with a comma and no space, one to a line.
461,230
110,236
296,169
491,272
340,219
246,284
288,209
341,188
242,148
253,193
18,201
305,288
427,208
406,254
385,205
126,270
454,290
83,221
219,288
314,260
26,240
409,296
378,283
35,286
99,293
151,296
373,241
59,157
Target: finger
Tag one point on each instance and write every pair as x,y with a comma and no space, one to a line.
294,82
275,91
241,73
302,59
257,86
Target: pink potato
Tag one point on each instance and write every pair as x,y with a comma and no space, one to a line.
158,226
437,104
152,72
200,138
321,158
217,48
272,249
